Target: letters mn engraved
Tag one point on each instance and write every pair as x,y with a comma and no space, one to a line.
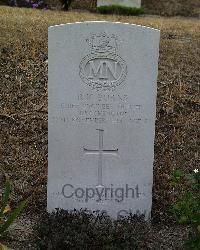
100,152
103,69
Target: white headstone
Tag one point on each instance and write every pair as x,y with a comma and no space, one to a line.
126,3
102,107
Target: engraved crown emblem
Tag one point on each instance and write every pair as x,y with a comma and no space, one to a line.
102,43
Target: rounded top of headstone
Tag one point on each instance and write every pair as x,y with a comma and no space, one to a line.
87,23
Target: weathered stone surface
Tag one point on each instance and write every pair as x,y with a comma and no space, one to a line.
102,104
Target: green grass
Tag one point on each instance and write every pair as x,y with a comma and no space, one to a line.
120,10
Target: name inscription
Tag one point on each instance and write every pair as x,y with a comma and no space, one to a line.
100,108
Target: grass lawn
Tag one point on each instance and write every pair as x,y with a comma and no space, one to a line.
23,111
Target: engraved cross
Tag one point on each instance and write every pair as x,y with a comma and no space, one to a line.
100,152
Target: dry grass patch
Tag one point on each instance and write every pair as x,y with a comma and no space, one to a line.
23,99
172,7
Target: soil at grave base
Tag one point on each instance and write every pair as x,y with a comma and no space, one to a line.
23,235
23,98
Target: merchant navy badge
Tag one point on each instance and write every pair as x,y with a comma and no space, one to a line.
103,69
